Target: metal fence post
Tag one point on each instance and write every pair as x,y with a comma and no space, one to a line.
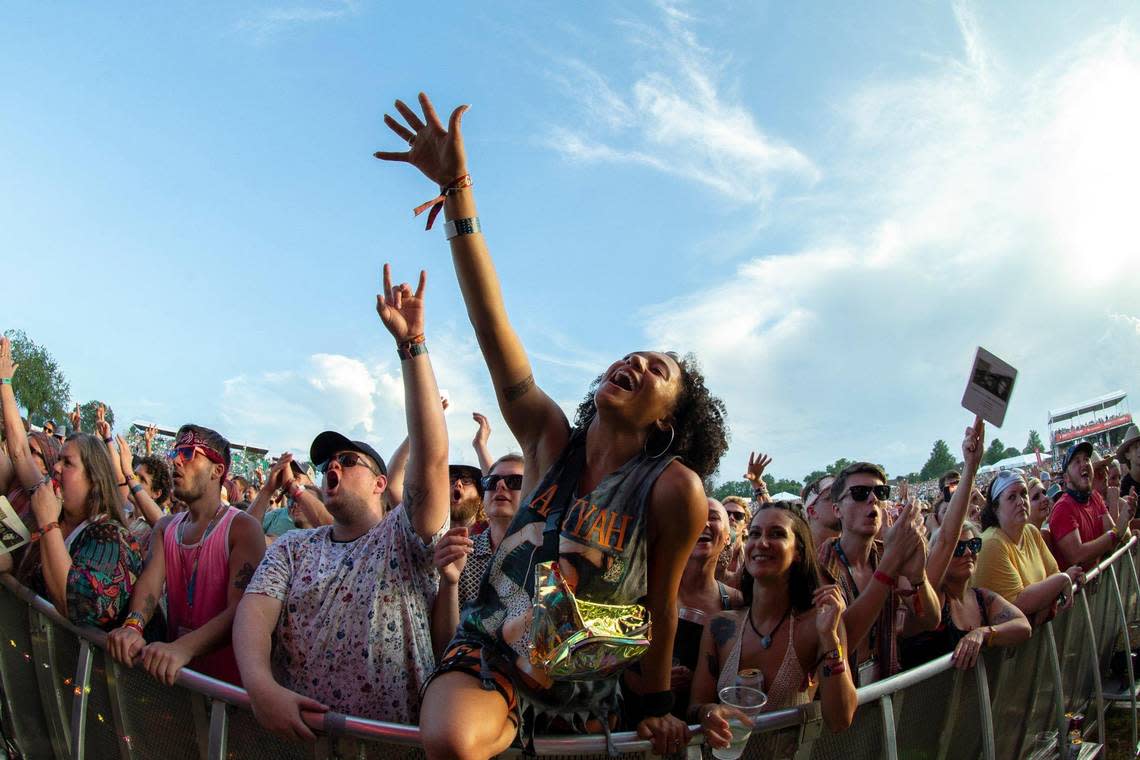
82,687
219,729
985,713
890,737
1127,651
1094,656
1055,667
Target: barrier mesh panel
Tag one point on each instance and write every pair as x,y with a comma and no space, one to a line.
1022,700
28,724
864,739
773,745
925,710
159,720
64,657
249,740
102,736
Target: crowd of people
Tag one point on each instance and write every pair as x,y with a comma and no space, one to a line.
422,592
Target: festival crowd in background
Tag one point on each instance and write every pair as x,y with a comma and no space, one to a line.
416,591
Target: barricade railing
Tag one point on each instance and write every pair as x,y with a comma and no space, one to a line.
63,697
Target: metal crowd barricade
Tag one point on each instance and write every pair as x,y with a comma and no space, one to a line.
62,697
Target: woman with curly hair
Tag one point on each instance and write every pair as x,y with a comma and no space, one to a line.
82,558
615,503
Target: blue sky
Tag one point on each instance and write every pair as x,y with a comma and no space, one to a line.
831,206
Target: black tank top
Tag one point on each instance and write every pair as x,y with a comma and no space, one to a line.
929,645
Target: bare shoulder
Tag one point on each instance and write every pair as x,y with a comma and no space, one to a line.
678,489
245,528
162,524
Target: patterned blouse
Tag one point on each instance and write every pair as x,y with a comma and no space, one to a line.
105,563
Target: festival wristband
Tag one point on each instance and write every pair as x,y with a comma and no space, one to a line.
885,579
834,669
136,488
5,381
411,348
31,491
38,534
657,703
469,225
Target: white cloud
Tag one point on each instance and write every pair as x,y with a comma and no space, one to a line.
981,207
675,118
272,21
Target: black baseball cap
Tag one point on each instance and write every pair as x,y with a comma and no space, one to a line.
1085,446
330,442
456,470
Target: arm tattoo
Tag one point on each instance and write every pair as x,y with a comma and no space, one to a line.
722,630
244,576
518,390
413,497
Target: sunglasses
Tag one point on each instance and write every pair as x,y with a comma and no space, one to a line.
183,454
735,516
345,459
861,493
973,544
466,480
513,482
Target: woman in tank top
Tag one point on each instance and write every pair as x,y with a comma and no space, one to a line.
791,629
617,500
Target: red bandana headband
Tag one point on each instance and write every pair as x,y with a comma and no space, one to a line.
191,439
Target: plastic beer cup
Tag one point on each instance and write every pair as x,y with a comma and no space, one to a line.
749,702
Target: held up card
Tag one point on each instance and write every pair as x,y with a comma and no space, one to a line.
13,533
989,388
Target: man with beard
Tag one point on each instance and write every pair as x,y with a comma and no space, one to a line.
350,602
1082,524
466,496
204,557
821,515
731,561
462,560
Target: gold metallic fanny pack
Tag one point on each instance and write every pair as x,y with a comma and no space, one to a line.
576,640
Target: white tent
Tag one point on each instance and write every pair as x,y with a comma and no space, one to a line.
785,496
1017,462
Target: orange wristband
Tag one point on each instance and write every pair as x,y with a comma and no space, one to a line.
38,534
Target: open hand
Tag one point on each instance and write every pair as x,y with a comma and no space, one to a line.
435,151
401,310
75,419
756,465
7,367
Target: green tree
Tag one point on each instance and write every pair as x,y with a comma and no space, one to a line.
732,488
87,415
995,452
940,461
39,383
783,485
1033,444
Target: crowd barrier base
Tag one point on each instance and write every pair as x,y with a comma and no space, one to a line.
61,696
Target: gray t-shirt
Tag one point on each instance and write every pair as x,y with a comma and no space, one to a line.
354,631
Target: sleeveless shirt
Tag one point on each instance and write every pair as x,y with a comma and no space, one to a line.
197,589
599,540
929,645
787,688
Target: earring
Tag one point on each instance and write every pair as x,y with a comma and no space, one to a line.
645,448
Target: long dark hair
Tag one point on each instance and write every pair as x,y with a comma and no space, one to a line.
700,431
803,577
103,494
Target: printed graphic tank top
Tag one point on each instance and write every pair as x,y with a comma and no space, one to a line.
599,540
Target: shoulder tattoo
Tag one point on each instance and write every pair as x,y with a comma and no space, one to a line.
722,630
518,390
244,576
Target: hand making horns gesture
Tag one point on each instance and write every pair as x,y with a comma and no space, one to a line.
401,310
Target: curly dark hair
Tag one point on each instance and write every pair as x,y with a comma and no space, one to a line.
161,480
701,432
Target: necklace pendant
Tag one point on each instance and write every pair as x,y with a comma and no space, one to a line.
766,641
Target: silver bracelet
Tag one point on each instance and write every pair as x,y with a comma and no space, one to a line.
466,226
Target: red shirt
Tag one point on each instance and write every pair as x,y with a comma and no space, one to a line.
1087,519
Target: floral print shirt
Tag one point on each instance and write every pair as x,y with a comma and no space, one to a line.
355,625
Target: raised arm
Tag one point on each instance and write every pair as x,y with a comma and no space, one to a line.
147,506
536,421
397,467
482,435
942,549
18,450
426,485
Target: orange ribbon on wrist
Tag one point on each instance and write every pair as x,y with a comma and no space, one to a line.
436,203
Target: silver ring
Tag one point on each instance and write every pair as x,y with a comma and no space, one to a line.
412,141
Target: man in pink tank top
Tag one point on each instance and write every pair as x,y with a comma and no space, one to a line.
205,557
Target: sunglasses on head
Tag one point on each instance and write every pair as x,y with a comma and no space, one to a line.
861,493
345,459
183,454
513,482
973,544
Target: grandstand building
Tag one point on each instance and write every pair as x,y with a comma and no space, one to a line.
1101,420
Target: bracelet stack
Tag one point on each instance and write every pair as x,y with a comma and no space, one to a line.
411,348
5,381
135,620
436,203
38,534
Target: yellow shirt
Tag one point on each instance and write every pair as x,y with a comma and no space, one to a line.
1007,568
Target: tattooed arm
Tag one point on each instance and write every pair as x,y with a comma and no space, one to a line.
1009,624
126,643
717,637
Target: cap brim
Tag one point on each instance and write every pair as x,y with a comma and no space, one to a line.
330,442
